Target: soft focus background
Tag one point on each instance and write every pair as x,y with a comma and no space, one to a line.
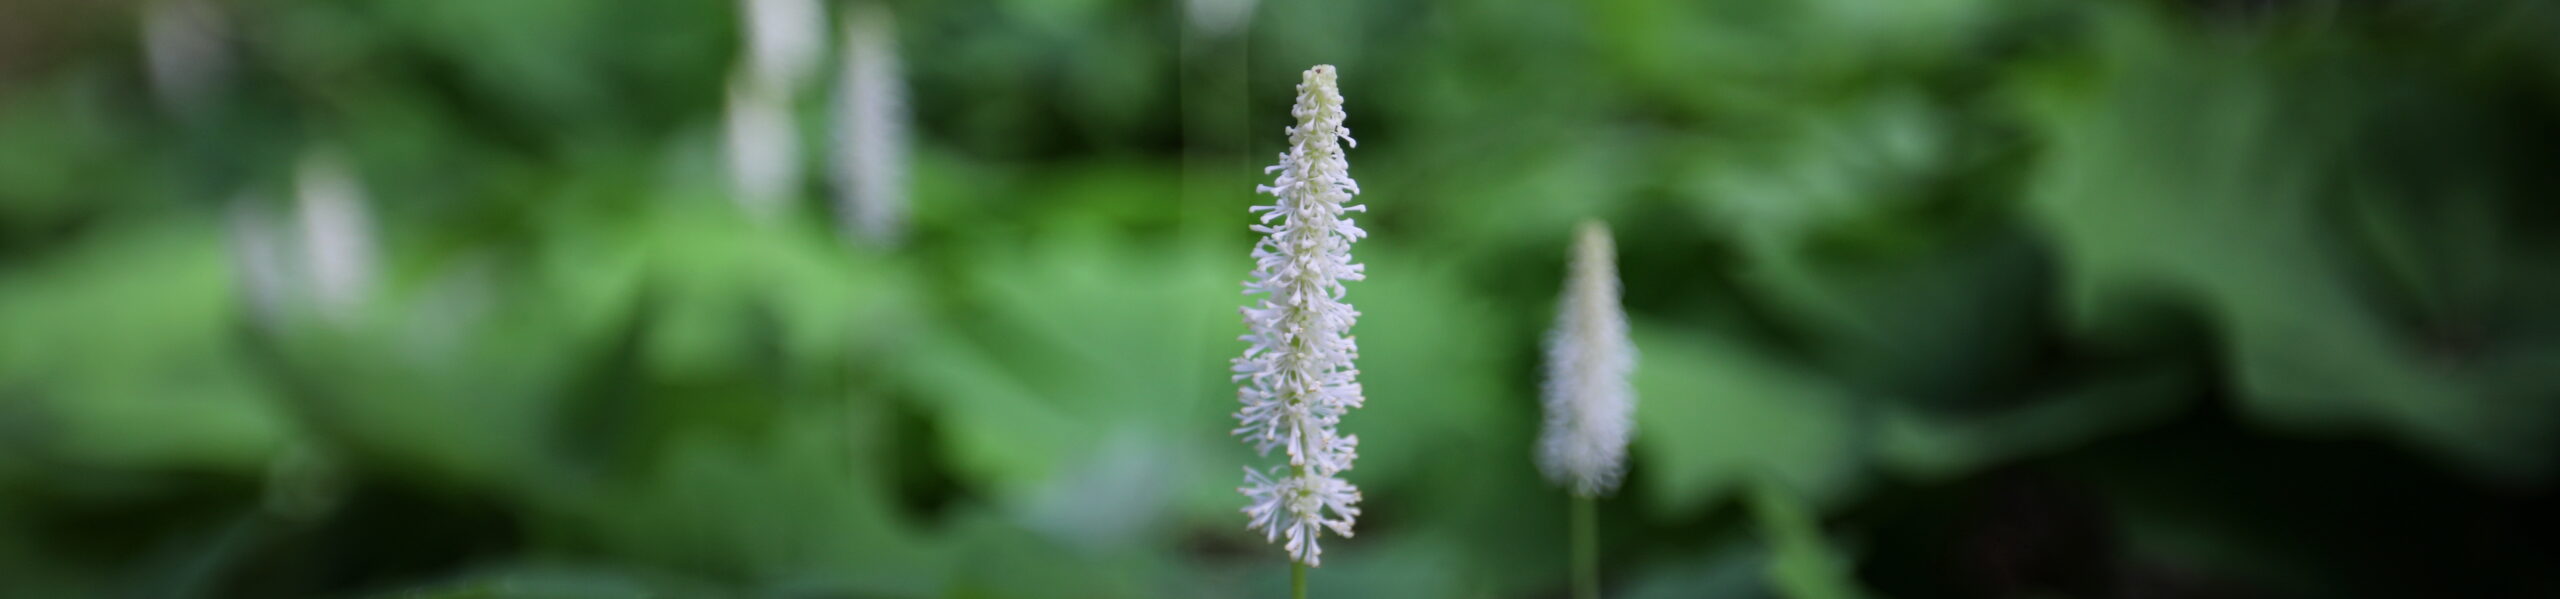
1936,298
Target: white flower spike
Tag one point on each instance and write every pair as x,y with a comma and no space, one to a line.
763,149
870,166
1590,404
785,40
337,233
1296,379
185,53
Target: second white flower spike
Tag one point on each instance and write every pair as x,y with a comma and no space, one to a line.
1590,404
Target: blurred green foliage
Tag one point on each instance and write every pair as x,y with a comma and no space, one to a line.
1970,298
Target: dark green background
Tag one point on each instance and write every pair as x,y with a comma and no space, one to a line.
1935,298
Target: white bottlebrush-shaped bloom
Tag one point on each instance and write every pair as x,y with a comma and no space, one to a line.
316,257
183,47
337,233
261,259
870,169
1218,17
785,39
762,148
1296,378
1590,404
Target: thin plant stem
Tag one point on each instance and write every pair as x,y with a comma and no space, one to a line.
1586,548
1298,569
1297,579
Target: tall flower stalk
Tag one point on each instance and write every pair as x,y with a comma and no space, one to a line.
784,42
1296,378
1590,405
763,147
337,233
185,48
870,165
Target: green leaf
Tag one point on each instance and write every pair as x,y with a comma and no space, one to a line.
1713,415
1803,563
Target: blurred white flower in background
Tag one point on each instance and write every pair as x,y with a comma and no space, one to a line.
785,40
183,49
337,233
763,148
1590,404
1218,16
870,136
261,259
317,258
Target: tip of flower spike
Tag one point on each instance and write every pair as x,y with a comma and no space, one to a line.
1300,344
1591,233
1588,401
1318,76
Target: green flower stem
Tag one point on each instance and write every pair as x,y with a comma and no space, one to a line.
1586,549
1297,580
1298,569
